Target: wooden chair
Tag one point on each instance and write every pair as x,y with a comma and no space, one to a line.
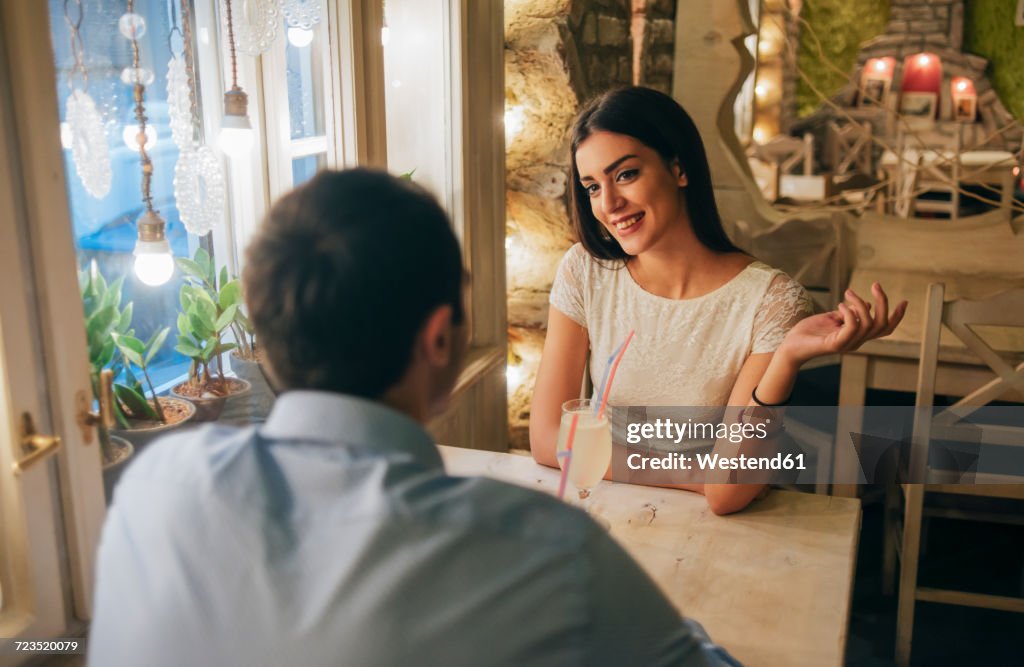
960,317
928,167
850,146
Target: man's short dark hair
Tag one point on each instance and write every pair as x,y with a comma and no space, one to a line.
341,277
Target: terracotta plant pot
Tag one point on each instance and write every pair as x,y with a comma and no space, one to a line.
121,452
141,435
210,404
256,405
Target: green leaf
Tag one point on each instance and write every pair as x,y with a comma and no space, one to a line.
202,258
190,268
226,318
122,421
134,403
208,312
244,321
221,348
223,276
131,347
99,325
105,355
230,294
155,343
183,324
408,175
197,327
189,350
125,321
113,295
99,283
203,295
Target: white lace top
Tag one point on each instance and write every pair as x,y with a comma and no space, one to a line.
684,352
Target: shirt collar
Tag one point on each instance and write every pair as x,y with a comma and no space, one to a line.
330,417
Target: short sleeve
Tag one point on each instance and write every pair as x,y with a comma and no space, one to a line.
567,290
784,304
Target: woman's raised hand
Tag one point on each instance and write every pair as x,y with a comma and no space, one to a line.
844,329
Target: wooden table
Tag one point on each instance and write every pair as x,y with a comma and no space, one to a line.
771,584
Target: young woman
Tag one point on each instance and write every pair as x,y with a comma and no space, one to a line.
713,326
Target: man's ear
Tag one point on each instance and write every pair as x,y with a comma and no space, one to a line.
438,337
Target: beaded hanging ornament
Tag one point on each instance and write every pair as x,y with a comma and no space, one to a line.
90,152
301,13
198,176
256,27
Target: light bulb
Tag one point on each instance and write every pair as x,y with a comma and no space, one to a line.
513,377
236,141
236,135
385,36
132,26
880,65
153,262
760,90
131,136
515,118
300,37
923,59
133,75
66,138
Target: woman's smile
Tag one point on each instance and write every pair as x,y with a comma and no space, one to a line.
625,225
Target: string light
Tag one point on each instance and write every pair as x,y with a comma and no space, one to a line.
515,119
513,377
130,135
300,38
153,262
236,135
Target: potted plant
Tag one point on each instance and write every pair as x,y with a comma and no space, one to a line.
207,312
143,419
105,322
247,363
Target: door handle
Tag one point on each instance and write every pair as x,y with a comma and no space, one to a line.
104,416
34,446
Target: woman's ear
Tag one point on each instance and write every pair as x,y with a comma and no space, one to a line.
679,174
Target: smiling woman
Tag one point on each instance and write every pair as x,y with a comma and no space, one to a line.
713,326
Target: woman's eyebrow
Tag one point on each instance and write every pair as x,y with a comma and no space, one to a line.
610,168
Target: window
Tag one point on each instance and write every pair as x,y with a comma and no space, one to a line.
300,103
104,219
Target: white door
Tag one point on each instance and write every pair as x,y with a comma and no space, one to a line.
51,512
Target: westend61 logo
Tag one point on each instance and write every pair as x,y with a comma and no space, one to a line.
667,429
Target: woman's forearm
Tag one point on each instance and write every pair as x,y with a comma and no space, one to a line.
776,384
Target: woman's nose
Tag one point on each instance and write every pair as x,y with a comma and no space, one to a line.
611,201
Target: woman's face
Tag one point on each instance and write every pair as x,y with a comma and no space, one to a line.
632,192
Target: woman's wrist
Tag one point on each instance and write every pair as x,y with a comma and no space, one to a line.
787,358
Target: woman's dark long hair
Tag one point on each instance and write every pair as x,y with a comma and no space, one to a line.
657,121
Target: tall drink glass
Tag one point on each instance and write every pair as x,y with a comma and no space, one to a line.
591,445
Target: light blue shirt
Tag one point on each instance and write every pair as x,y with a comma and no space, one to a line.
331,535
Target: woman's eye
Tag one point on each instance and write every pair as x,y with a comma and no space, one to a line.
591,189
627,174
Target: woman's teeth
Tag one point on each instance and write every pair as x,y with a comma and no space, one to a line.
629,222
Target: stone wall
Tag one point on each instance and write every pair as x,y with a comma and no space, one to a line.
558,53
